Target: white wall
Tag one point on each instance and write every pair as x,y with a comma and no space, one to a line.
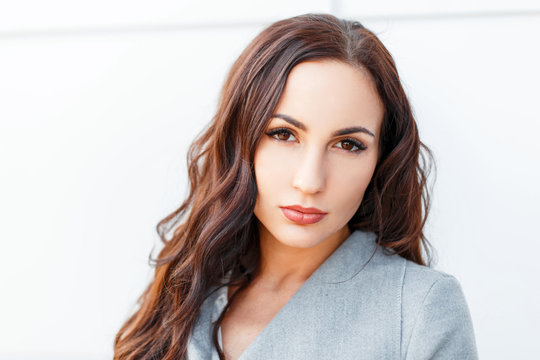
100,99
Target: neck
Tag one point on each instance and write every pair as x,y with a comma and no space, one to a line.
283,266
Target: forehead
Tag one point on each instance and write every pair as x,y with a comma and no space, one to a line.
328,94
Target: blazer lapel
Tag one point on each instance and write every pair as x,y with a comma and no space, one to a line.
343,307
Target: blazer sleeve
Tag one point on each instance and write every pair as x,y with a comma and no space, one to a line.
443,327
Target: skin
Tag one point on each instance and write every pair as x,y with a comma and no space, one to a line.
311,167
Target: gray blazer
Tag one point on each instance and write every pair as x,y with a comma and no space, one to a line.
391,309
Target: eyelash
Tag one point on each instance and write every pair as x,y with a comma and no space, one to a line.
358,144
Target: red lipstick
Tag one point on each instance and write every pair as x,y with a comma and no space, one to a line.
302,215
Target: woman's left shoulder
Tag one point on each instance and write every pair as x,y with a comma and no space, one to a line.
435,315
420,280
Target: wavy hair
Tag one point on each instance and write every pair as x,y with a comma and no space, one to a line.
214,231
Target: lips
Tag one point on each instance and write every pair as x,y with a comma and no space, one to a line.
302,215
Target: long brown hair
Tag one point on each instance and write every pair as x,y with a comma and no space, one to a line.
214,231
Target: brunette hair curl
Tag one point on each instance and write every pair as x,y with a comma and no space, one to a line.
214,231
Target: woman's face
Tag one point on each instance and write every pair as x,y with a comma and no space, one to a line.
319,151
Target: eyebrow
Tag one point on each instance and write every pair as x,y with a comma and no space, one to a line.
345,131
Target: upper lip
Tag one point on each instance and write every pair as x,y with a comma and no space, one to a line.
305,210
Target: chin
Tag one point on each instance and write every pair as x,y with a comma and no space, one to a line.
298,236
302,244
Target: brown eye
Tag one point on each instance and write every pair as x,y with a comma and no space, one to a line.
347,145
351,145
282,135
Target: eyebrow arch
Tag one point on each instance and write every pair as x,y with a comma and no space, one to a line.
340,132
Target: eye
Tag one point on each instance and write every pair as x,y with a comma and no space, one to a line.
281,134
351,145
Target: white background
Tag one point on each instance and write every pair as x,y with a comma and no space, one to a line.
99,101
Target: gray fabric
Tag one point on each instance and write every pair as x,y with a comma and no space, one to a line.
391,309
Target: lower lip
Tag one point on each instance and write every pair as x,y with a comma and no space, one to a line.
302,218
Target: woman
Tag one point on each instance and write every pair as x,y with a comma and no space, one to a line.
302,234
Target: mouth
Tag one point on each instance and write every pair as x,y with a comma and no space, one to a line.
302,215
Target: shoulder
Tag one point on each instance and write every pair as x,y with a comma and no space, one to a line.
421,288
419,281
436,321
415,311
424,287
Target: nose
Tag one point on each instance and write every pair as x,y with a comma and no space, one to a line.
310,175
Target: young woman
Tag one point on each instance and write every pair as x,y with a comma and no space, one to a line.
302,234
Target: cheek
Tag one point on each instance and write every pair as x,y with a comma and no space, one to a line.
271,172
349,186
